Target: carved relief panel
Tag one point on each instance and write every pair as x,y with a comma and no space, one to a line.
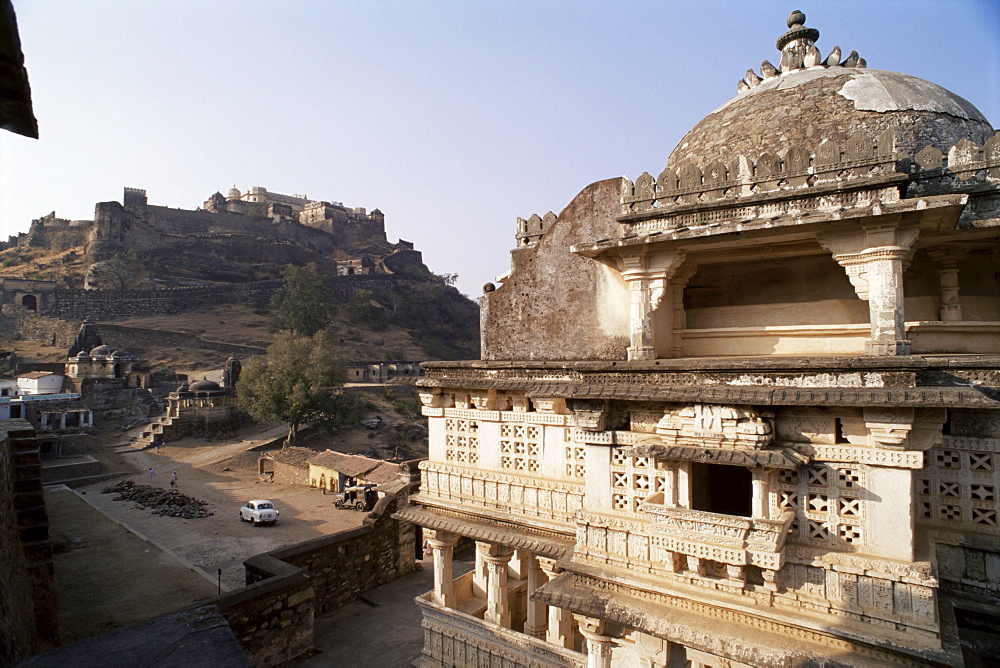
462,441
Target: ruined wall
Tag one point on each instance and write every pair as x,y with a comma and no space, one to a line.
17,614
557,305
116,305
21,492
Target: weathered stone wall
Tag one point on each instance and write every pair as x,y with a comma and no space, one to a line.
272,618
33,627
348,563
17,617
19,322
557,305
968,572
116,305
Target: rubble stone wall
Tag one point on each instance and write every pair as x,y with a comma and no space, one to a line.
33,627
116,305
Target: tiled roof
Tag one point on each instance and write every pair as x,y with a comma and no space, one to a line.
293,456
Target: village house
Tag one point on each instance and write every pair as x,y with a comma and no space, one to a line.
334,471
745,412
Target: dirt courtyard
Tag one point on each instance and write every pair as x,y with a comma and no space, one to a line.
118,564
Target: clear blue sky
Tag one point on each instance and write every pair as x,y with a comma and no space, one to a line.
453,117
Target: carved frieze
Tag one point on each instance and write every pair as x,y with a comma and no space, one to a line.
712,425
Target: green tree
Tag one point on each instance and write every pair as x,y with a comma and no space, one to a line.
121,269
302,304
297,381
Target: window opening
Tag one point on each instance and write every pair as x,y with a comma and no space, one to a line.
717,488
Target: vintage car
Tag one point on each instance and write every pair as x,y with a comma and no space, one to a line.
259,511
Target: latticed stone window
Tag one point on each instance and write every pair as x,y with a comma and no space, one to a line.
633,479
462,441
520,447
959,485
576,461
828,503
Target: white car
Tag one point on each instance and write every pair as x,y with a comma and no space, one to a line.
259,511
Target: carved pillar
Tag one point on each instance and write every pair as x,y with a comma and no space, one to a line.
670,485
560,622
442,544
677,285
479,571
873,255
759,505
683,493
650,324
599,644
497,559
947,260
537,622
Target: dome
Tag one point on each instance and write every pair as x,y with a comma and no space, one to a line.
810,99
234,193
204,385
103,351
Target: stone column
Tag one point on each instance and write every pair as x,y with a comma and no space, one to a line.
647,279
759,505
599,645
537,622
947,260
873,254
442,544
683,492
560,622
497,559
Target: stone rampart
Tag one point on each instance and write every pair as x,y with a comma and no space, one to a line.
117,305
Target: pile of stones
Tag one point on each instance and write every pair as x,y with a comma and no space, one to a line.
166,502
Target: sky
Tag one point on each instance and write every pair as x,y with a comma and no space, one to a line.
453,117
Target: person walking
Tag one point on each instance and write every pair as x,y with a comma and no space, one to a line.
152,474
173,479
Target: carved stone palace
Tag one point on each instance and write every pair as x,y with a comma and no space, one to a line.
745,412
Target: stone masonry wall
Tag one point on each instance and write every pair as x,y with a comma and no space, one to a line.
17,616
116,305
348,563
24,470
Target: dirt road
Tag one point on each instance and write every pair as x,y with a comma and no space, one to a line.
109,577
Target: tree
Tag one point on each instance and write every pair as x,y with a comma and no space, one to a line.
297,381
121,269
302,304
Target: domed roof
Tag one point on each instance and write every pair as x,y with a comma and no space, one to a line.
103,351
810,99
204,385
234,193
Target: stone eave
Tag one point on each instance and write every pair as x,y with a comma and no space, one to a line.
771,363
947,207
766,458
767,395
704,625
485,529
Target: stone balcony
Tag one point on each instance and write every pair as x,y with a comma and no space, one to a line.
726,539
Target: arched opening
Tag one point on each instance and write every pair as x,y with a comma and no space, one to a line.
30,302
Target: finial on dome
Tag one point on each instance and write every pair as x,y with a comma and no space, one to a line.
797,31
798,52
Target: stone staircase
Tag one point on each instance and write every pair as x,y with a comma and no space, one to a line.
149,434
